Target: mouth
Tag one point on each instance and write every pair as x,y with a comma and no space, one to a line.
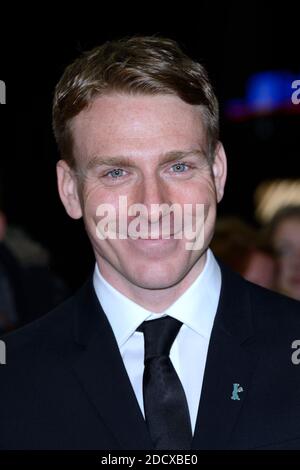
158,238
154,244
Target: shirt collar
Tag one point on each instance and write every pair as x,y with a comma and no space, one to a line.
196,307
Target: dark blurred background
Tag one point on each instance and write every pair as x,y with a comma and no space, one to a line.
235,41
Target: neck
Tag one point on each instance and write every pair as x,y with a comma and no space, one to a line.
155,300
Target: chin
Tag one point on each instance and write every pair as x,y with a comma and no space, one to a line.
155,279
155,284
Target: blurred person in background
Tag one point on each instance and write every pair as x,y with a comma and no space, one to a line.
239,245
12,295
28,288
283,232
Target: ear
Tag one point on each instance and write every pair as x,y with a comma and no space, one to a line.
68,189
220,170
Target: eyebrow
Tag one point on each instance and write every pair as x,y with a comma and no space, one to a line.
120,160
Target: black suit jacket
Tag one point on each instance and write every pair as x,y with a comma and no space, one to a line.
65,386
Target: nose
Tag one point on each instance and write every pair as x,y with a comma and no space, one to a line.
153,193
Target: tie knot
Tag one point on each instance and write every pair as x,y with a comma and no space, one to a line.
159,336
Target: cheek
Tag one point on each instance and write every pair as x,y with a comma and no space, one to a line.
284,267
93,197
201,190
207,196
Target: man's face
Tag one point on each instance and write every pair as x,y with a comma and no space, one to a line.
286,242
151,150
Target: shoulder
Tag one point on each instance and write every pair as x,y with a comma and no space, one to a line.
275,315
44,335
269,310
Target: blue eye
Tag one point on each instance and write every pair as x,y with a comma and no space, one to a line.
116,173
179,167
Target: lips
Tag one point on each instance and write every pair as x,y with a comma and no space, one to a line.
155,246
160,237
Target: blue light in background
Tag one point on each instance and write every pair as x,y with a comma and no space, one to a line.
266,92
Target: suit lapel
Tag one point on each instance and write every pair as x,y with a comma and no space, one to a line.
100,370
231,359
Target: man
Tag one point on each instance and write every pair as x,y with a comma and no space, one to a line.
162,348
283,232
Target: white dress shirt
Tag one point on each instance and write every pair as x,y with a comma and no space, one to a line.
195,308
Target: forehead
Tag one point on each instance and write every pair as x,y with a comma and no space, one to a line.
137,125
289,228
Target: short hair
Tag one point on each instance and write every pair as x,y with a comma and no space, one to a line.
137,65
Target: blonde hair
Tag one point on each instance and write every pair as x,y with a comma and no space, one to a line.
136,65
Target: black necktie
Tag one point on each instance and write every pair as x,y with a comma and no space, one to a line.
165,404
